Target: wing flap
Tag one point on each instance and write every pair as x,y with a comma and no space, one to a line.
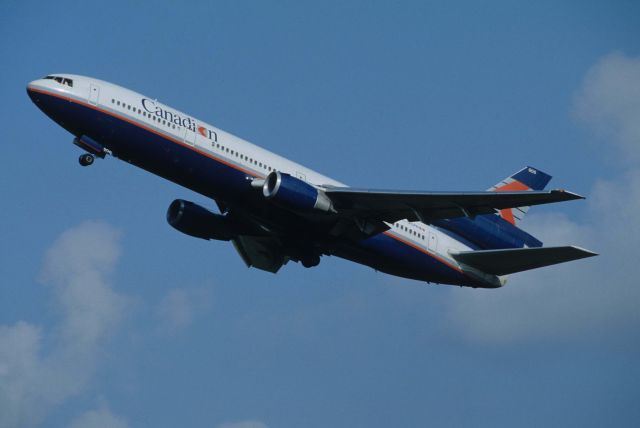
512,260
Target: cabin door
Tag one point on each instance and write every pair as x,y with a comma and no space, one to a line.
94,93
433,242
189,136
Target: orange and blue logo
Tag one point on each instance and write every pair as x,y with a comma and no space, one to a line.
207,133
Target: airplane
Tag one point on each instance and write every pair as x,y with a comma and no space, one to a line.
274,210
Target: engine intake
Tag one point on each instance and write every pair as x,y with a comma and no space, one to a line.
197,221
295,194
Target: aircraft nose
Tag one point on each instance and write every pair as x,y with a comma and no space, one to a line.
36,89
31,90
32,85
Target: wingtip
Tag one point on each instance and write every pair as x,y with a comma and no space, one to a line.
585,253
567,195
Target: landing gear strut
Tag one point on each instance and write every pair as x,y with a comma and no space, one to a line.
86,159
93,148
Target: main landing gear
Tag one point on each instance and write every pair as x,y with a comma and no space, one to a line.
310,260
86,159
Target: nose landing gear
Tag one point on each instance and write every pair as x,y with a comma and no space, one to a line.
92,147
86,159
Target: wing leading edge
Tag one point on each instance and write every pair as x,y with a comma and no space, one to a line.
391,206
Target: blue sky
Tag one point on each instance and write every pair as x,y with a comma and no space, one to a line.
109,317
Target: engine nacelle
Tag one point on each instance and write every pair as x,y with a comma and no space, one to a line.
295,194
194,220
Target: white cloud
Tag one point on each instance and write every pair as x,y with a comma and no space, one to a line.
243,424
595,297
33,379
100,418
609,101
179,307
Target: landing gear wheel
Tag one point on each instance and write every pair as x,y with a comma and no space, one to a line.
310,261
86,159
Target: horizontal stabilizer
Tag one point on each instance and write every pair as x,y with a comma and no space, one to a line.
512,260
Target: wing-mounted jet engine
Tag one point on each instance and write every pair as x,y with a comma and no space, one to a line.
294,194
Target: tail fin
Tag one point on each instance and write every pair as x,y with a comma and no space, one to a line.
527,178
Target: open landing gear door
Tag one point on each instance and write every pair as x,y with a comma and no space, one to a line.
262,253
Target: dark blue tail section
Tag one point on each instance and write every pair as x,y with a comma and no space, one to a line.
489,232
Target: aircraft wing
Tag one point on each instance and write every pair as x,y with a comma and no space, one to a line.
391,206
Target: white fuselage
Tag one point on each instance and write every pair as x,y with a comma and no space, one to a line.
226,148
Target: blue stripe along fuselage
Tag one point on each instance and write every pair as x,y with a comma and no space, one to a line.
216,178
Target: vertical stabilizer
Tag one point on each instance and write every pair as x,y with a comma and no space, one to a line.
527,178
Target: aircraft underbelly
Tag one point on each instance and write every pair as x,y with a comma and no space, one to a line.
386,254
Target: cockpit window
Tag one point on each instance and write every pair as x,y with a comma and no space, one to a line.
62,80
